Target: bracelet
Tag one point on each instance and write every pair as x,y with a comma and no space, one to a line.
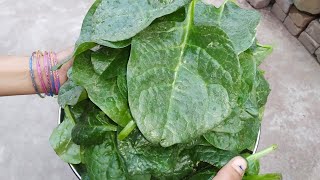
32,75
38,56
47,71
51,75
56,74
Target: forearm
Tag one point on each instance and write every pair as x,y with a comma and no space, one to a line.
15,76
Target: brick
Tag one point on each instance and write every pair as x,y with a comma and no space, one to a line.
292,28
285,5
314,30
299,18
310,6
277,11
317,53
259,3
310,44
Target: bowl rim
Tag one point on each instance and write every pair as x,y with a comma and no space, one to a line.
61,115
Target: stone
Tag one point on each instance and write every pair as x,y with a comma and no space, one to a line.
313,30
277,11
292,28
310,6
317,53
258,4
285,5
299,18
310,44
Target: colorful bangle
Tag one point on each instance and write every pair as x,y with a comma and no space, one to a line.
57,80
47,70
43,86
32,75
51,74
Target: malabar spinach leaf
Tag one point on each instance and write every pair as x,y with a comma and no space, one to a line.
120,20
135,156
86,41
61,142
70,94
103,88
182,80
92,126
239,24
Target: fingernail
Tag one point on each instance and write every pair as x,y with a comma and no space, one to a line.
240,165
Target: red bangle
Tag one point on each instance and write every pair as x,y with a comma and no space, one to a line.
43,86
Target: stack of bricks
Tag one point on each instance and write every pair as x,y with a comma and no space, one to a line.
293,19
310,38
300,24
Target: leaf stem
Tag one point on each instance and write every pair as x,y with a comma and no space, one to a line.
262,153
127,130
69,114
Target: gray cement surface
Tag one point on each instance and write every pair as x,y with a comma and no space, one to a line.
291,120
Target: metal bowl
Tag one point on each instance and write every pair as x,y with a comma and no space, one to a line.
76,168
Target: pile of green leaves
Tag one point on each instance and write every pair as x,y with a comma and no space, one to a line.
163,89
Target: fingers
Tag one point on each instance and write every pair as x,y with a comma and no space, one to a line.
234,170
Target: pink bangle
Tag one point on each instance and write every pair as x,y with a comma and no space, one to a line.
47,71
38,55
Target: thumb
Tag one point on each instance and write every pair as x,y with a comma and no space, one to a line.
233,170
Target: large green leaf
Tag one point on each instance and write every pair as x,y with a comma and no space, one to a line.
102,88
86,41
135,156
92,126
62,144
240,129
183,80
116,20
239,24
104,161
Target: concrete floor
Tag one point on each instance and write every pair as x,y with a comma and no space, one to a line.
292,116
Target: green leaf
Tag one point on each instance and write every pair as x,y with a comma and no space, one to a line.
203,175
120,20
182,80
239,130
92,127
253,160
70,94
60,141
85,41
142,157
133,157
262,89
239,24
239,141
211,155
103,88
260,52
263,177
104,162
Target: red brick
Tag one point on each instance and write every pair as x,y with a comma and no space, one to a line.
277,11
310,44
292,28
299,18
314,30
285,5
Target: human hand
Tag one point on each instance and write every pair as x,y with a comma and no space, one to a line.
233,170
61,56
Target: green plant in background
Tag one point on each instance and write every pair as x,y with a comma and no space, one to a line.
164,89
